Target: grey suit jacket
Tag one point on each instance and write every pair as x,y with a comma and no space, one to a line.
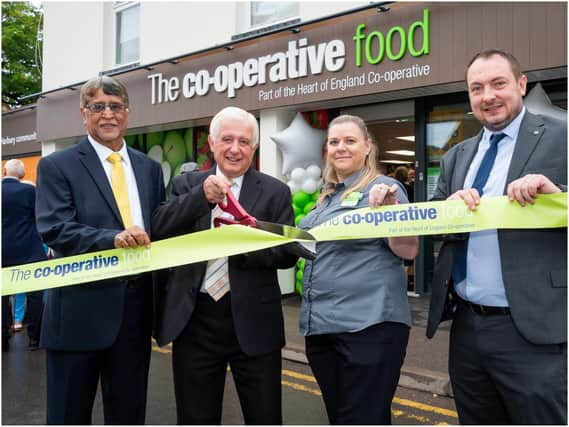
534,262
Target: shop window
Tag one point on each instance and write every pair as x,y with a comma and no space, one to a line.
447,125
268,12
127,32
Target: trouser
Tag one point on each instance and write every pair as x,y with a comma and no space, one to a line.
498,377
200,356
34,308
359,372
73,376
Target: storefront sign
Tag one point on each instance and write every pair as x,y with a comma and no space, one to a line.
19,137
302,59
411,45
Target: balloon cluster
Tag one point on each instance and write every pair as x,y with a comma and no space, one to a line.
174,148
305,186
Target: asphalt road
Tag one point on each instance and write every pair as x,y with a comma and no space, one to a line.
23,394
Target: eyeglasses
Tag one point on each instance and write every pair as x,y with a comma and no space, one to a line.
99,107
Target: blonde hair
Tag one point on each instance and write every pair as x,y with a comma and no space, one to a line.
370,171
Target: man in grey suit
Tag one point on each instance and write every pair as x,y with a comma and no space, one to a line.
505,289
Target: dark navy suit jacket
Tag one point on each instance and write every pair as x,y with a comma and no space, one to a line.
21,243
76,214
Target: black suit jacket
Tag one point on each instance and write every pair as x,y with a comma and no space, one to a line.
76,214
534,262
21,243
255,293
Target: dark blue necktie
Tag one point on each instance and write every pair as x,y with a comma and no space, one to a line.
459,266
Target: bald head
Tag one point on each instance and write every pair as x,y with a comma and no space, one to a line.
14,168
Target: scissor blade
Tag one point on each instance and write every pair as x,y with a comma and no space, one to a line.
284,230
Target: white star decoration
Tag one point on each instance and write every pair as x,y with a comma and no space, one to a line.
538,102
300,144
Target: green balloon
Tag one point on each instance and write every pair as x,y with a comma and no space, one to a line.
315,195
308,207
298,219
297,210
152,139
130,140
298,288
300,198
299,275
301,263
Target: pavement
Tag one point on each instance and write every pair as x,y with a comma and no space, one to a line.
425,365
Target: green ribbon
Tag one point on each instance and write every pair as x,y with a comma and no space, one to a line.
414,219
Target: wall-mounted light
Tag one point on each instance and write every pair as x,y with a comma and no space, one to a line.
381,9
410,138
295,30
395,162
402,152
228,48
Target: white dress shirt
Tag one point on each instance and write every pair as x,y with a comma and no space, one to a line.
484,283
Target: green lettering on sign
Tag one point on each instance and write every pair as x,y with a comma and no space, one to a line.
397,42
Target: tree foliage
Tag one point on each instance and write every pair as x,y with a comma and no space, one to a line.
21,51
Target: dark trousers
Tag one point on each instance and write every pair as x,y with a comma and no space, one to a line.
34,310
498,377
73,376
200,356
6,317
358,372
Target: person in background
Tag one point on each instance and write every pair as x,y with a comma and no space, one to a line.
97,195
354,313
505,289
21,244
411,176
401,175
226,311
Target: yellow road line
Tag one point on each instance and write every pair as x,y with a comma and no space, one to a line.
299,376
399,401
311,379
301,387
425,407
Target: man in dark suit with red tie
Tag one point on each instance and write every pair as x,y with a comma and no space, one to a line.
97,195
506,290
225,311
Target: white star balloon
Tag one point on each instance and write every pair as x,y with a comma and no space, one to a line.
538,102
300,144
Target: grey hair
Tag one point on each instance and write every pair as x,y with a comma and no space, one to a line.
109,85
15,168
237,114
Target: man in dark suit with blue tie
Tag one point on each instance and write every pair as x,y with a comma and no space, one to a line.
21,244
505,289
96,195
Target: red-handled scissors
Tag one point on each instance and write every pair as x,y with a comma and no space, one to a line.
242,217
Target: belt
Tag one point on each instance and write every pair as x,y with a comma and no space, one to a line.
484,310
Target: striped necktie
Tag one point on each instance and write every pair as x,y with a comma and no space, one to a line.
120,190
217,272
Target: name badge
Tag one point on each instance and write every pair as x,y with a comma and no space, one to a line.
352,199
